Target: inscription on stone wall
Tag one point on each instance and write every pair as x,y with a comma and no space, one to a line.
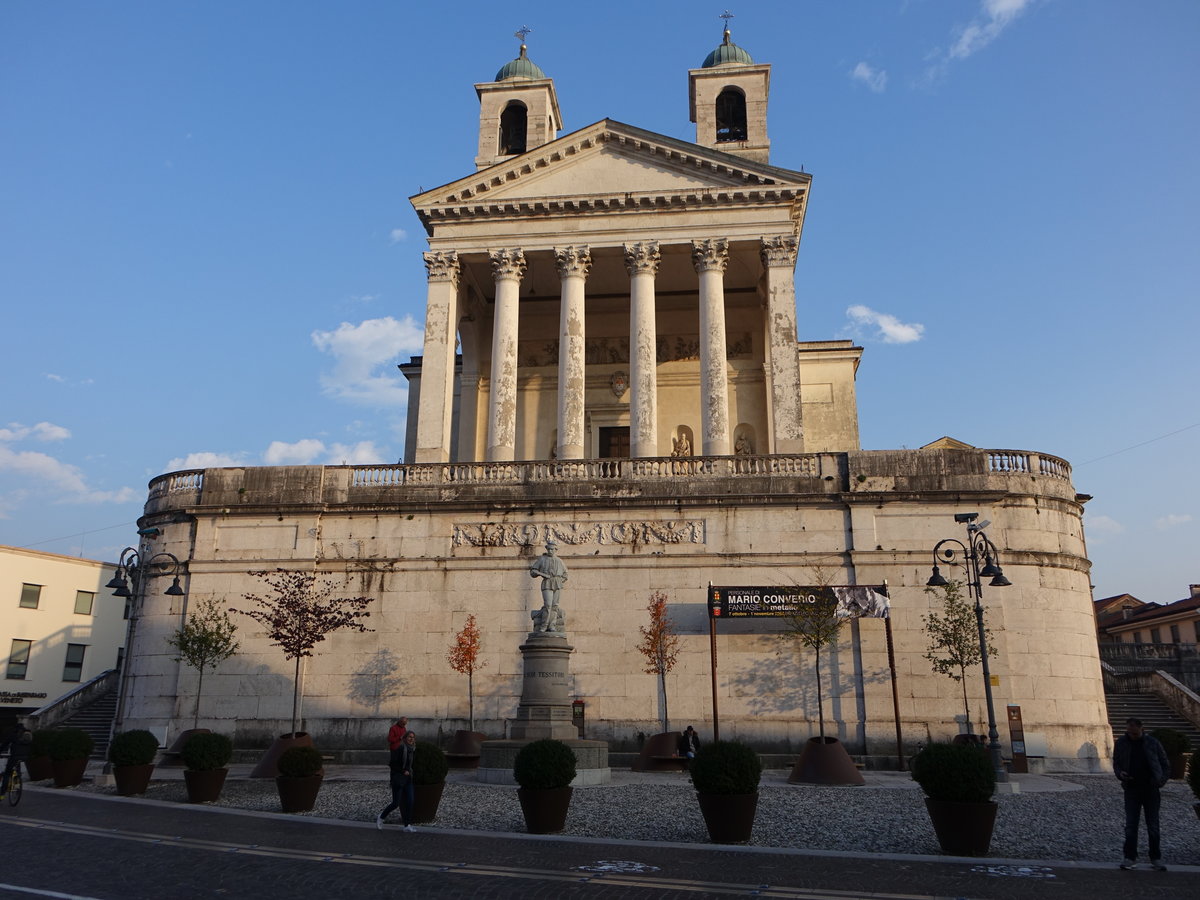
502,534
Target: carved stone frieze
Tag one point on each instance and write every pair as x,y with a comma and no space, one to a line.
507,264
442,265
614,350
779,250
642,257
573,260
710,254
504,534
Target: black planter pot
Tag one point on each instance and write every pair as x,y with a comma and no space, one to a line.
132,780
40,768
68,772
205,786
545,810
426,798
729,817
268,766
963,829
298,794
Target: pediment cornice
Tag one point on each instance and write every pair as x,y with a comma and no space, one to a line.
717,179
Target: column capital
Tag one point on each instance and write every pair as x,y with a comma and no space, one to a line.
710,254
507,265
779,250
573,260
442,266
642,258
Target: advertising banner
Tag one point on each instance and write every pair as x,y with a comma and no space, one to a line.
853,601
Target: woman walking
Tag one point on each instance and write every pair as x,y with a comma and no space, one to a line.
403,793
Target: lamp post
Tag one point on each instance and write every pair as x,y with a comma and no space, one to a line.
134,569
977,549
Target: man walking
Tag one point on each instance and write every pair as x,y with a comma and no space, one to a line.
1141,764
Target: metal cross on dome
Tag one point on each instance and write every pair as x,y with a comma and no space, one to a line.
727,15
523,32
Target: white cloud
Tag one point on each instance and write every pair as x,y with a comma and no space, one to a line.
204,459
397,235
42,431
887,327
365,356
64,477
300,453
874,79
993,17
1171,521
58,378
364,453
1103,526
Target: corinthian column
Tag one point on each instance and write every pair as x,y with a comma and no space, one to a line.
573,264
710,258
782,366
507,268
436,398
641,259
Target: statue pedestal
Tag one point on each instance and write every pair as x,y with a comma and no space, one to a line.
544,712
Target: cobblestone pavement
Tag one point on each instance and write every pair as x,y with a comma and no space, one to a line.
87,845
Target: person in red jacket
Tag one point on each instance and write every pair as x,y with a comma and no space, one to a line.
396,733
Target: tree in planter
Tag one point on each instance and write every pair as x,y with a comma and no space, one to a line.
815,625
464,659
300,613
205,641
954,638
660,647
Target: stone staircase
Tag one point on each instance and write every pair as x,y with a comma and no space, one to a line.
96,719
1153,713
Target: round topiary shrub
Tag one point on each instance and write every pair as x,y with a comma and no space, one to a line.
1175,742
725,767
544,765
40,745
429,764
300,762
133,748
69,743
959,773
205,752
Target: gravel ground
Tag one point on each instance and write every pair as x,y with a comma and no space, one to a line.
1083,820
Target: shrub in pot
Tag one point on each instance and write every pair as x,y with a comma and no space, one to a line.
429,780
1176,744
69,750
544,770
301,771
39,764
958,781
132,756
206,756
726,776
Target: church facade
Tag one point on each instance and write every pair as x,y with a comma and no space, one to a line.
611,362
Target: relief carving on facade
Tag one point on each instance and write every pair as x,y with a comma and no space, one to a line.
503,534
710,255
507,264
442,266
615,350
779,250
642,257
573,260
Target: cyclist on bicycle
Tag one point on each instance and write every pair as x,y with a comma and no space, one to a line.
15,741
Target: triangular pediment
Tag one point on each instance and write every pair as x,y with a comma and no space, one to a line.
611,160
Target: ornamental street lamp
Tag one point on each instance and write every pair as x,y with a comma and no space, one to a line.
978,549
134,570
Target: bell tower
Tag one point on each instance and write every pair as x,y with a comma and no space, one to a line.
518,110
727,99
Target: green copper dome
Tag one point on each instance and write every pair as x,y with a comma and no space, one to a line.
521,67
726,54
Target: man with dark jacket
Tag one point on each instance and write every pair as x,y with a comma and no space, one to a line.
15,742
1141,764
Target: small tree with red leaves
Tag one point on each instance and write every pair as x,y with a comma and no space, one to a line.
660,646
301,612
464,659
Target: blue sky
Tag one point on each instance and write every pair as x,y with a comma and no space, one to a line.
207,256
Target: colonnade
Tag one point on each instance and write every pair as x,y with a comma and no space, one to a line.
710,258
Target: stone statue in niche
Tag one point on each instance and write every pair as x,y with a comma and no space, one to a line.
681,446
743,447
553,572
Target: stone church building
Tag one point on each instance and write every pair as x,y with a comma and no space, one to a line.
611,361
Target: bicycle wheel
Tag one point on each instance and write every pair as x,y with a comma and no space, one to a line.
14,788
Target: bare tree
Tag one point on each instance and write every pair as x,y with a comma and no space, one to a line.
299,613
464,659
204,641
815,625
954,637
660,646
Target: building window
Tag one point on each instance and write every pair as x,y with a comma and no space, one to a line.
83,602
73,669
513,129
18,659
731,115
1155,636
30,595
120,658
1174,634
1196,625
128,608
1137,637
